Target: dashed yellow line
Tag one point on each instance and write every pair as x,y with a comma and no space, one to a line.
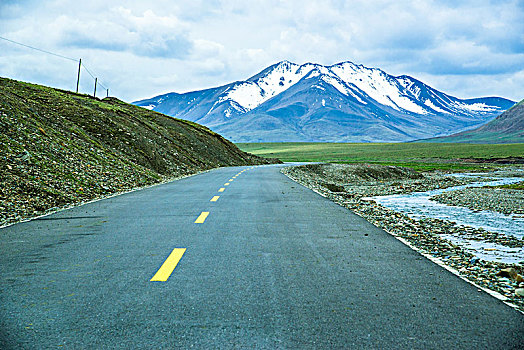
172,260
202,217
169,265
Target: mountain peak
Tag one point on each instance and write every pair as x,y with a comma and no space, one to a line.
286,63
346,89
347,63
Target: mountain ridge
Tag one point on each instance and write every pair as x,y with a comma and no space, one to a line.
506,128
396,108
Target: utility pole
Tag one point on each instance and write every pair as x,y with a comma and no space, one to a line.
107,90
94,93
78,77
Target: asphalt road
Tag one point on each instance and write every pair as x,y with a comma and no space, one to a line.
273,265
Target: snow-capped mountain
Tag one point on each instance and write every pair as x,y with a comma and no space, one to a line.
342,102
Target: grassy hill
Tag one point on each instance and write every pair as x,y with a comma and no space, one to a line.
58,148
506,128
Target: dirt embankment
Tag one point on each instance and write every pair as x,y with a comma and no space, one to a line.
59,148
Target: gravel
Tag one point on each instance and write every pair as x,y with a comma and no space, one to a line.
502,200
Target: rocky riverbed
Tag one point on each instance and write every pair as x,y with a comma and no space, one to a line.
352,186
503,200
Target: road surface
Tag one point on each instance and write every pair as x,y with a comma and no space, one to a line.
233,258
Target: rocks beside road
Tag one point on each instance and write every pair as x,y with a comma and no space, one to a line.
352,186
28,189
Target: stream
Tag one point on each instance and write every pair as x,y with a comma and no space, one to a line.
418,205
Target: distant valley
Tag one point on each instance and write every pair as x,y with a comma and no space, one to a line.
344,102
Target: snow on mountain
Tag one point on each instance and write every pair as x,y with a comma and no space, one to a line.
248,95
334,80
399,93
378,85
262,87
375,83
345,89
433,107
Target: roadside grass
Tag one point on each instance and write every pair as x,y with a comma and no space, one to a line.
453,157
517,186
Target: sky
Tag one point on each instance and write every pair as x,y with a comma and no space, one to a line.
139,49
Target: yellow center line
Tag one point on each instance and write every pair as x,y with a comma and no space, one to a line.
230,180
226,184
222,189
169,265
214,199
202,217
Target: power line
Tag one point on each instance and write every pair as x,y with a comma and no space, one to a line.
61,56
88,71
93,75
37,49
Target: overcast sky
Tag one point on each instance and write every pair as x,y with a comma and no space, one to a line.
140,49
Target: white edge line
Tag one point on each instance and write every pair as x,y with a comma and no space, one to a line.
433,259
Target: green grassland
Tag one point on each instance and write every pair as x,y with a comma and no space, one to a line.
420,156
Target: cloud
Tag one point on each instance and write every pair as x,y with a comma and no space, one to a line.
169,45
209,67
466,57
467,86
11,9
146,34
